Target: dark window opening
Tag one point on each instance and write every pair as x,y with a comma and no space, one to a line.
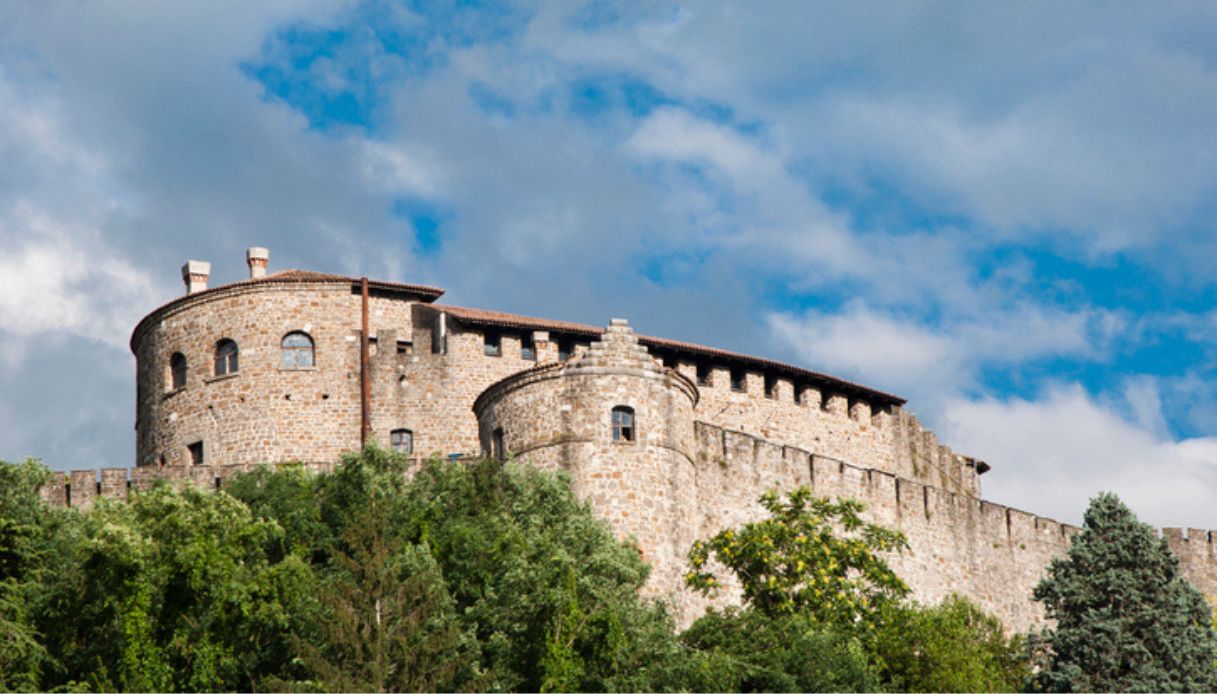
177,370
771,385
226,357
737,380
196,453
528,348
498,446
492,344
565,349
623,423
297,351
703,374
405,347
402,441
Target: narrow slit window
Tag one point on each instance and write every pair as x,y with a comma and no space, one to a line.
226,357
402,441
528,348
297,351
623,423
177,370
498,445
703,374
492,344
771,385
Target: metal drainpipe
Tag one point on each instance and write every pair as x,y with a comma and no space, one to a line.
365,383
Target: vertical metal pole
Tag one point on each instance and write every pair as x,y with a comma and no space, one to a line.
365,382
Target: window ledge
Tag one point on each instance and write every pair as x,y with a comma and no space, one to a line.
297,368
623,442
172,392
225,377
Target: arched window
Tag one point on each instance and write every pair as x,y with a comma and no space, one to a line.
498,445
623,423
297,351
177,370
226,357
402,441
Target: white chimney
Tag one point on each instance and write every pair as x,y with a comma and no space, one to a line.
257,259
195,274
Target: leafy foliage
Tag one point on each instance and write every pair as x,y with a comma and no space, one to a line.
811,556
458,576
950,647
1126,619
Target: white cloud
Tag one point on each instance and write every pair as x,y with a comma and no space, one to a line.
65,280
1050,455
930,364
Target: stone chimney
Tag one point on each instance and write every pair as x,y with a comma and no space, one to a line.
195,274
257,259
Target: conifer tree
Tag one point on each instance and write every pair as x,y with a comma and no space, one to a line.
1126,619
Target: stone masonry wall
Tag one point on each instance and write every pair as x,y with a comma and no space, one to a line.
642,487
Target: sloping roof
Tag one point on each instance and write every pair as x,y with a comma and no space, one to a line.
422,292
479,316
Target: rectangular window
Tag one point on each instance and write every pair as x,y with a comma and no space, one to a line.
498,445
565,349
737,380
492,344
196,453
439,335
528,349
703,374
623,424
402,441
771,385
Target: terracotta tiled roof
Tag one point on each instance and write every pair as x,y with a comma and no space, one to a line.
420,291
510,320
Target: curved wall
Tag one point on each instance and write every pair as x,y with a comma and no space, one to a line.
559,416
263,412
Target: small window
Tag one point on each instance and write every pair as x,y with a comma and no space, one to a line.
623,423
737,380
498,445
492,344
402,441
177,370
226,357
528,349
196,453
565,349
703,374
771,385
297,351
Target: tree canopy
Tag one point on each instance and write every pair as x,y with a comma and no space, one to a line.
1126,620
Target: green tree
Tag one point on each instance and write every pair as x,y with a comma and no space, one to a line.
743,650
387,622
24,524
1126,620
811,556
172,591
950,647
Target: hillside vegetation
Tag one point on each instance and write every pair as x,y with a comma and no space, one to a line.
484,576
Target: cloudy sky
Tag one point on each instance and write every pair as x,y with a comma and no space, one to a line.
1006,214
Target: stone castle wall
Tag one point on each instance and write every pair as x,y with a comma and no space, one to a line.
991,553
642,485
704,454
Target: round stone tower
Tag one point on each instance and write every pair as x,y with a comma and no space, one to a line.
621,425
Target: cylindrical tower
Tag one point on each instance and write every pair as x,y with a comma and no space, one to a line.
259,371
622,426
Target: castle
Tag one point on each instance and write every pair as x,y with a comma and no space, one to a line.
668,441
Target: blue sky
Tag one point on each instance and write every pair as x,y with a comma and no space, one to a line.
1003,212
